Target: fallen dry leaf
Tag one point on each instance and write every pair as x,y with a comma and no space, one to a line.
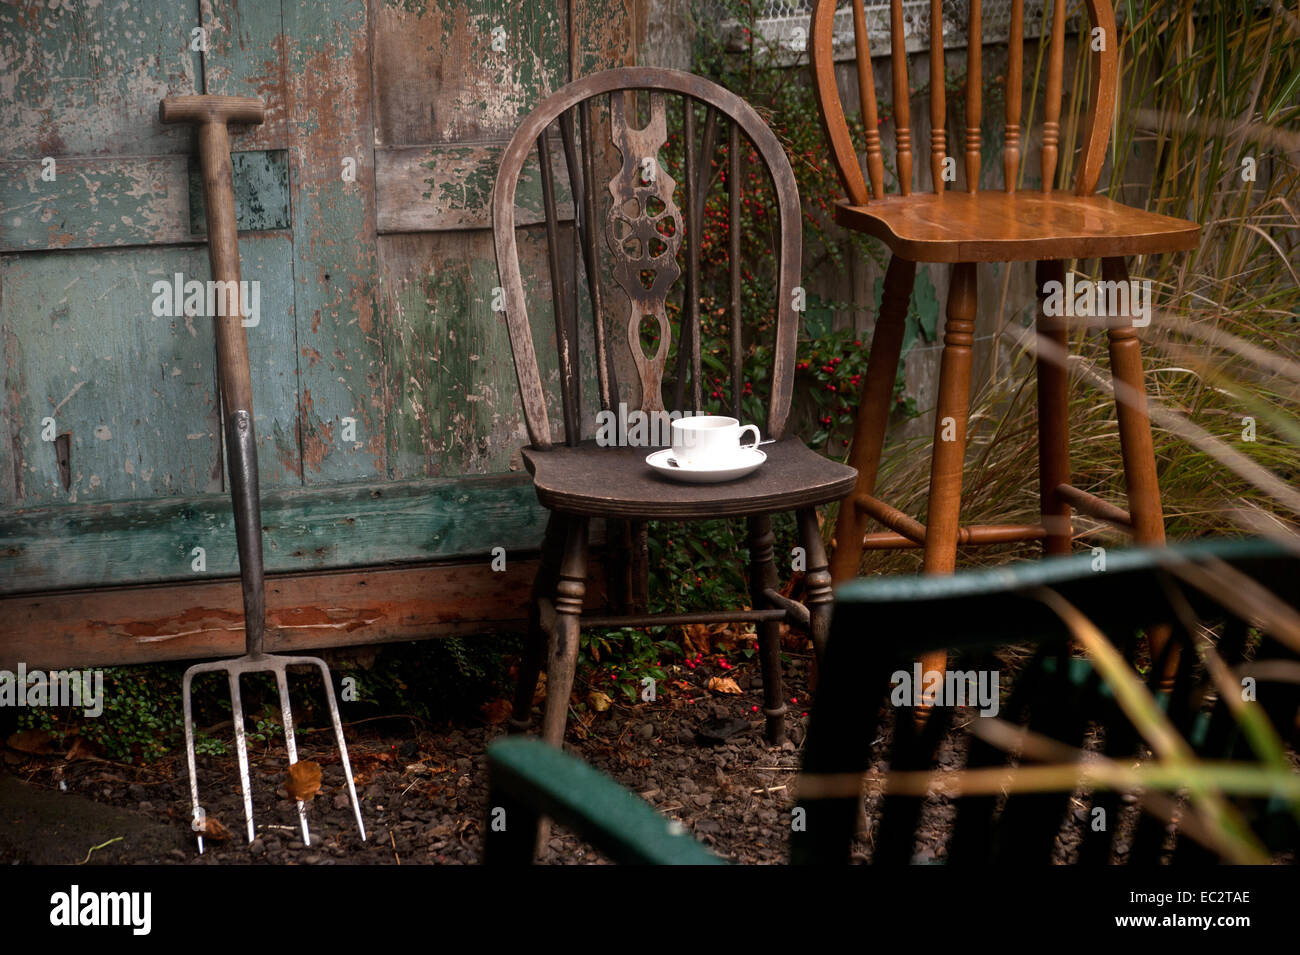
79,749
37,742
214,830
303,780
497,711
696,637
539,692
599,701
723,684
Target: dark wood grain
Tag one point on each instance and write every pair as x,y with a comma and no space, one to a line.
616,482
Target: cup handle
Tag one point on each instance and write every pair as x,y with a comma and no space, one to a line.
741,437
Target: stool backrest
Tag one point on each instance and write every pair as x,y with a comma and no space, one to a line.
1101,109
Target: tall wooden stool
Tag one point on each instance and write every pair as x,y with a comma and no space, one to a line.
964,228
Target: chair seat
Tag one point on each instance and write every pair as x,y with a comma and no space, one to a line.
595,481
1009,227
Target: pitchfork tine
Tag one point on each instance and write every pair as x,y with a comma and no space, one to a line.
241,750
343,746
189,754
282,681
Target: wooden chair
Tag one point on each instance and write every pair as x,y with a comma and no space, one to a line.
644,226
1225,587
972,226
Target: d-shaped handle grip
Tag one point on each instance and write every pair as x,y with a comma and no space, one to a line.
211,109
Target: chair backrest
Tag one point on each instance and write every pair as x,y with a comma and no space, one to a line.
1100,111
648,229
1235,596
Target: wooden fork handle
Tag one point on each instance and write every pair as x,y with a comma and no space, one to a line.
212,114
211,109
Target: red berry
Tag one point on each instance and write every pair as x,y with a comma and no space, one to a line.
754,709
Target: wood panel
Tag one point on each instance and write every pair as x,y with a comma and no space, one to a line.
135,393
304,529
438,79
247,56
450,389
304,612
132,200
449,188
94,203
327,108
84,79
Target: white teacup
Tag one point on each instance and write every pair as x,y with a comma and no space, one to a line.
709,441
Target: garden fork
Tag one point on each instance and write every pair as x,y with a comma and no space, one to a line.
211,114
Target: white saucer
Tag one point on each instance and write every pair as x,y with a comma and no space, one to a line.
746,461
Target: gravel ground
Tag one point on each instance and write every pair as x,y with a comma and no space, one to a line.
423,788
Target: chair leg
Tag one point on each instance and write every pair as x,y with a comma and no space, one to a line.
535,642
627,566
1137,450
817,582
873,414
763,575
1053,415
1134,423
563,659
951,412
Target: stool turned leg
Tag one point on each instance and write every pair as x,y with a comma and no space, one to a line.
817,582
1136,446
948,458
762,576
535,642
875,402
563,662
1053,415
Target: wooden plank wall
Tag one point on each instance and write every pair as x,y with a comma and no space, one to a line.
384,393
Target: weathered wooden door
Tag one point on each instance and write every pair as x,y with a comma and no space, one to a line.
383,389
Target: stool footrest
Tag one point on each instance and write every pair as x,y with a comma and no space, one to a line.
1094,506
891,517
975,535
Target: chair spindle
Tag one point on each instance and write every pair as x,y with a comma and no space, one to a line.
902,104
867,98
564,345
938,93
568,139
606,375
733,264
1052,99
1015,56
974,90
687,338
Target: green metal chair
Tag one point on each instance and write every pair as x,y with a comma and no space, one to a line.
1242,592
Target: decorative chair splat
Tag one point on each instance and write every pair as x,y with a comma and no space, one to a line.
644,242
